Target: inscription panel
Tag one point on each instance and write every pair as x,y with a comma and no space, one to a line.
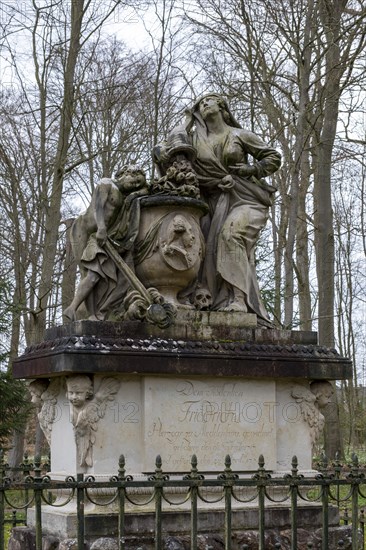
210,418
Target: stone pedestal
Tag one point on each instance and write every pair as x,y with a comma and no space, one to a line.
212,384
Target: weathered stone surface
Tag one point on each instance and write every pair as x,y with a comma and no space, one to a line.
24,539
209,418
177,523
50,542
105,543
238,201
177,249
120,246
68,544
111,217
176,417
121,347
234,326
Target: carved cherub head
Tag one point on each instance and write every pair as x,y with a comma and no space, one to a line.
180,224
323,391
79,390
37,388
130,178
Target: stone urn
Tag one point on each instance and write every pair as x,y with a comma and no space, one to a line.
170,246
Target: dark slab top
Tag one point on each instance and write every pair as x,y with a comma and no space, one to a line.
135,348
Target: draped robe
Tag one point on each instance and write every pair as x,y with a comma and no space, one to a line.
109,292
236,215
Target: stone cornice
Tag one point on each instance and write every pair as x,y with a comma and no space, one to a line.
82,347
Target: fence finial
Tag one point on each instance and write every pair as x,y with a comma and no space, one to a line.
37,467
294,465
121,467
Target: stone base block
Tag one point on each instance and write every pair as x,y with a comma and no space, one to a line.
62,524
139,535
177,417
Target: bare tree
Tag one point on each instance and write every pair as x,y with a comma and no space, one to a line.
37,134
290,63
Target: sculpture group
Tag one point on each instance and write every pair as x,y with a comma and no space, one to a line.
145,250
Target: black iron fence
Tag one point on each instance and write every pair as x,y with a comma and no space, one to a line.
333,485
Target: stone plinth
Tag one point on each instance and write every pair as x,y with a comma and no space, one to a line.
212,384
138,527
186,390
102,532
199,343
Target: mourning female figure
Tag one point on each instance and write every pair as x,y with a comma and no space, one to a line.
230,164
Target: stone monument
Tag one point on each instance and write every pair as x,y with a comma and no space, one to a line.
167,348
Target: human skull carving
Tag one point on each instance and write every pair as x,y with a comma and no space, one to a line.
202,299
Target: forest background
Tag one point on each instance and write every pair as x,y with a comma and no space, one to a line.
89,86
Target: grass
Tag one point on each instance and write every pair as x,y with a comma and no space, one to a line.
10,523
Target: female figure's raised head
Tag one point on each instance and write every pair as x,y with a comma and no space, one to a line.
208,106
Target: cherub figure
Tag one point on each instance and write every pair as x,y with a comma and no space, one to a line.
309,410
44,395
86,410
113,215
323,391
37,388
312,401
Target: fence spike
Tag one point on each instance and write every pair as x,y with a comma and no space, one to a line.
121,467
158,462
160,478
37,467
294,466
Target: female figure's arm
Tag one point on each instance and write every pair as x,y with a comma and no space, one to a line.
266,159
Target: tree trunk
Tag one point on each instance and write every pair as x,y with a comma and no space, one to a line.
16,453
69,269
330,14
53,217
302,251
